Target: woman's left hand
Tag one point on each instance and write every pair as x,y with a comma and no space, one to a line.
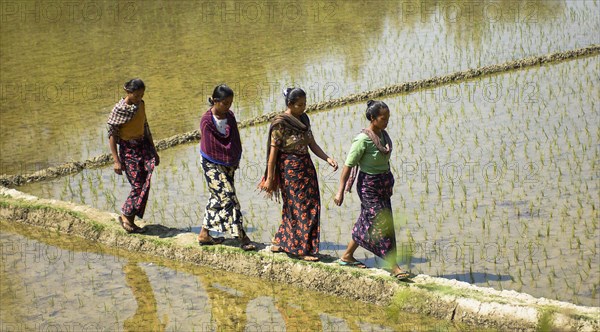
332,163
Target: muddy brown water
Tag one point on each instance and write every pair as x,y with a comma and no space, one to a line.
53,282
62,64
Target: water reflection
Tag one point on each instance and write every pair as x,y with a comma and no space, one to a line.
62,73
56,282
146,315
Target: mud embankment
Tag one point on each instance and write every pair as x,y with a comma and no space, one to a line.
406,87
442,298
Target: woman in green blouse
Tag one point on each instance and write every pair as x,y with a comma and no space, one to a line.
374,229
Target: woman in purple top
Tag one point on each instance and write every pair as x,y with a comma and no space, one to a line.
221,151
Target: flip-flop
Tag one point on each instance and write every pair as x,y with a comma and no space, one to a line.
276,249
138,230
212,241
245,242
402,275
248,246
355,264
128,229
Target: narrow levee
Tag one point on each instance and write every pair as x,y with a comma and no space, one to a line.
447,299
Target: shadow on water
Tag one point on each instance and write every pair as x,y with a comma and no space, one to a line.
411,261
327,245
374,261
476,277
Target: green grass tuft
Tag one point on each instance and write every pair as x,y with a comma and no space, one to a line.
545,321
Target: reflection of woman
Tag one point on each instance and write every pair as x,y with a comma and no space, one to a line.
374,229
229,306
291,172
146,315
299,311
228,311
298,318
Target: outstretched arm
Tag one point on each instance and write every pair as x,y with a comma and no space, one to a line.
316,149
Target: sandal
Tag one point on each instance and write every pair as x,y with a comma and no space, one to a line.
245,242
211,241
248,246
276,249
355,264
127,227
402,275
138,230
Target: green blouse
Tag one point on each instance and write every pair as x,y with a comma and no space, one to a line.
365,154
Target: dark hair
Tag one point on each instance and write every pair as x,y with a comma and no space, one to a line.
220,92
374,107
293,94
134,85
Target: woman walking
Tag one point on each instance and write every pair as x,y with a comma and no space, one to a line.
128,128
221,150
290,173
374,229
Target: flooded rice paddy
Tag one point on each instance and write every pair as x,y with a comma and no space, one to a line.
497,179
53,282
496,182
63,65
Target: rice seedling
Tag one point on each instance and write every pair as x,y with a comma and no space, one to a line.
559,138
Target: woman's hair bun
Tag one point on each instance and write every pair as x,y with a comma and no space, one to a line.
292,94
286,91
373,109
134,85
220,93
